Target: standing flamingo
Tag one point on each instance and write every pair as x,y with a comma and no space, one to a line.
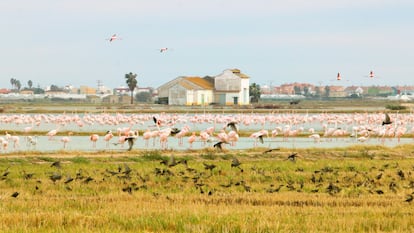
65,141
94,138
192,139
108,136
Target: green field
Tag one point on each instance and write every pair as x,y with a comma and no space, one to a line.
357,189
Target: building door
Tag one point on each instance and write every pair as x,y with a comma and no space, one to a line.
222,99
235,100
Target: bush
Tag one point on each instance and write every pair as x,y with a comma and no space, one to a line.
395,107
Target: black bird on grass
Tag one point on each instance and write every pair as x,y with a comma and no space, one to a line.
68,180
409,198
56,164
236,163
219,145
293,157
209,166
55,177
270,150
387,120
6,173
15,194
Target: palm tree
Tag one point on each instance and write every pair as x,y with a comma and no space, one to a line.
30,84
131,80
13,82
254,90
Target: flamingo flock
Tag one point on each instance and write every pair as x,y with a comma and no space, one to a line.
164,130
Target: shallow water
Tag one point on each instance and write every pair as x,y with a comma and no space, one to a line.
101,123
82,143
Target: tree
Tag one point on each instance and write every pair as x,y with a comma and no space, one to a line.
254,90
327,91
143,97
13,82
18,85
297,90
131,80
30,84
306,90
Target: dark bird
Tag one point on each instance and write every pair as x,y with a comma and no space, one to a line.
233,125
209,166
56,164
293,157
68,180
387,120
88,179
127,169
172,161
261,139
401,174
6,173
235,163
219,145
27,176
379,176
409,198
157,122
131,141
270,150
55,177
15,194
174,131
111,172
127,189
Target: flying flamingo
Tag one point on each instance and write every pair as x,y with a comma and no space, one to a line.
165,49
113,38
259,136
52,133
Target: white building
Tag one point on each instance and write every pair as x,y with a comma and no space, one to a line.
228,88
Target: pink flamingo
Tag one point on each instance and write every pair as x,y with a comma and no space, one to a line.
146,136
94,138
108,136
233,137
52,133
113,38
316,137
204,136
192,139
182,134
65,141
4,143
258,136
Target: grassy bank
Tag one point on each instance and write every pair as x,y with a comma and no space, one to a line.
356,189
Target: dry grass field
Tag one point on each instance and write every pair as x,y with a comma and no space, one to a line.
357,189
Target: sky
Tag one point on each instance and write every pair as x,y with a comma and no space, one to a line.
65,42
